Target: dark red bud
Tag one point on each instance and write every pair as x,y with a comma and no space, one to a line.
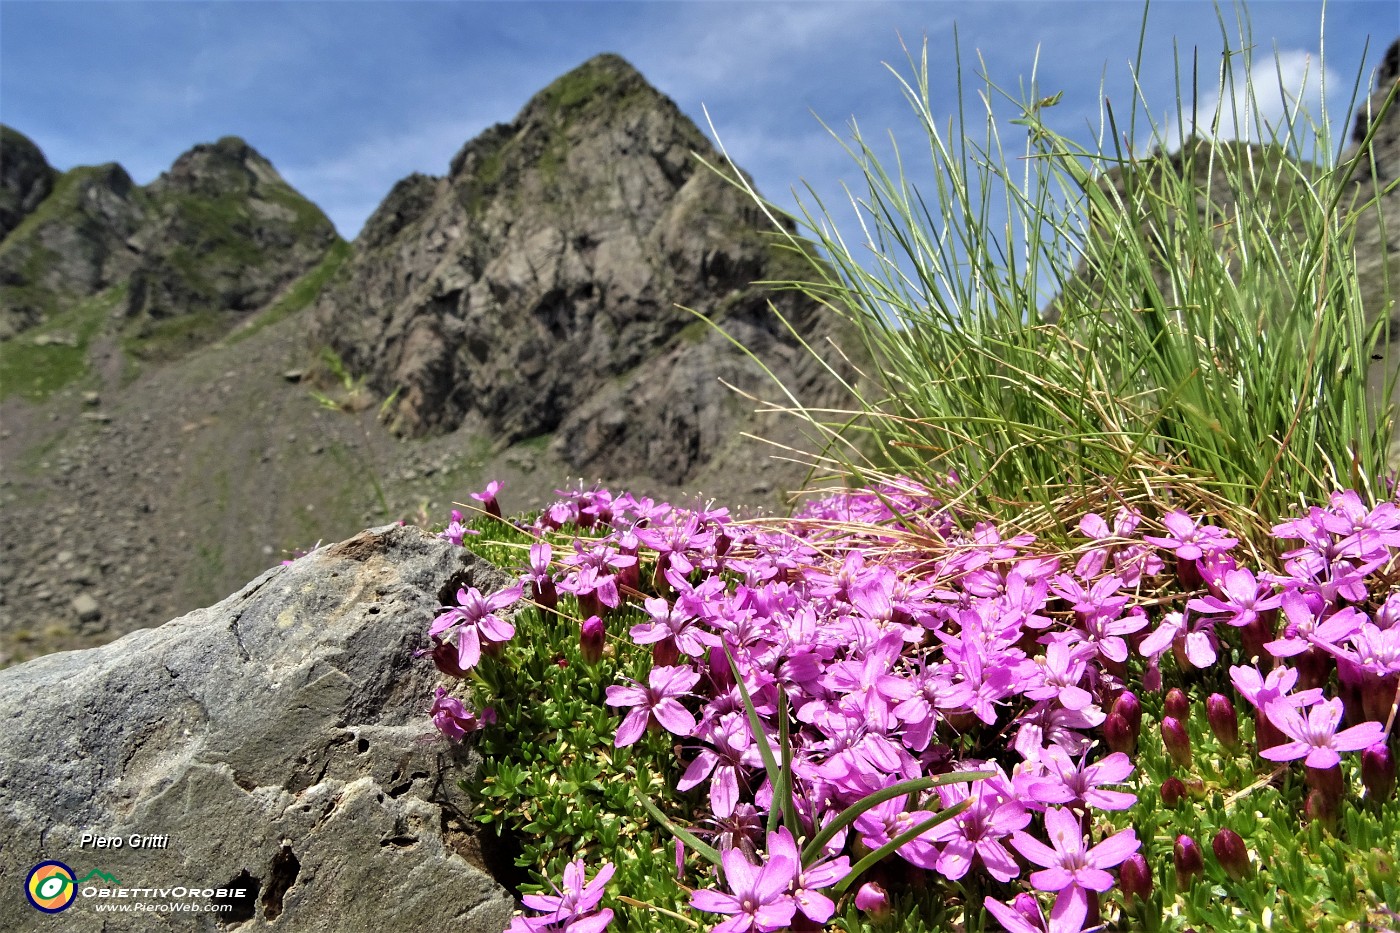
1118,735
1172,791
1328,781
1231,853
1177,705
591,639
1224,722
1176,740
1189,861
1378,772
445,659
1322,807
1266,734
872,899
1135,878
1130,708
665,653
546,595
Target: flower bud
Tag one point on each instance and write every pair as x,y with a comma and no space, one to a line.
1177,705
1172,792
1135,878
1266,734
1378,695
1328,781
872,899
1118,735
1231,853
1321,807
1378,772
591,638
1176,740
546,594
1189,861
1130,708
1220,713
1028,907
664,653
445,659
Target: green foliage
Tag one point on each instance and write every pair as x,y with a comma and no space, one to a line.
169,338
1303,876
1208,336
551,777
34,366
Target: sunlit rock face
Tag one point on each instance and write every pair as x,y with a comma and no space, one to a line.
541,288
276,743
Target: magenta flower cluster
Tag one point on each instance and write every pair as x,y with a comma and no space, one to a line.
902,644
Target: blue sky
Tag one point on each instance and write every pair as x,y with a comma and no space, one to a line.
345,98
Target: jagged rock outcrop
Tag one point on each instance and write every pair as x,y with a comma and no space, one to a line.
224,232
26,178
220,232
73,245
533,291
277,741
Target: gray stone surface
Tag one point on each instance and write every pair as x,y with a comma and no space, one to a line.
278,739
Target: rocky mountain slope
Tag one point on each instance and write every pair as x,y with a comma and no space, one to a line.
219,234
160,439
532,292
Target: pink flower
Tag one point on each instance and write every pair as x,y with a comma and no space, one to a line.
658,700
1024,914
454,720
573,909
759,900
476,623
1070,864
1315,736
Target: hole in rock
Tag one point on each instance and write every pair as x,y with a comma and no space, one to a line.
242,907
362,746
285,867
398,790
492,853
447,596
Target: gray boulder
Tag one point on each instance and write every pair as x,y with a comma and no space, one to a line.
277,742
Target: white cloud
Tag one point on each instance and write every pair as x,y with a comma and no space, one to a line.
1278,92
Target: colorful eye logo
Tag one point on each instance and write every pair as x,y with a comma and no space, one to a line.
50,887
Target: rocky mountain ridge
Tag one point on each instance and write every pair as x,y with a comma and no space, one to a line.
218,235
533,292
161,421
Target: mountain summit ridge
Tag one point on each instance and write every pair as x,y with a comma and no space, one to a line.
534,290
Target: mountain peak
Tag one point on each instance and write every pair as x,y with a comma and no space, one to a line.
230,164
600,83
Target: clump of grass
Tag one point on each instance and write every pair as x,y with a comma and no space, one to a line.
1203,337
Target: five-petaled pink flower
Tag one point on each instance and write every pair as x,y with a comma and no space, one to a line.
657,700
573,909
1315,735
1071,865
760,900
474,617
